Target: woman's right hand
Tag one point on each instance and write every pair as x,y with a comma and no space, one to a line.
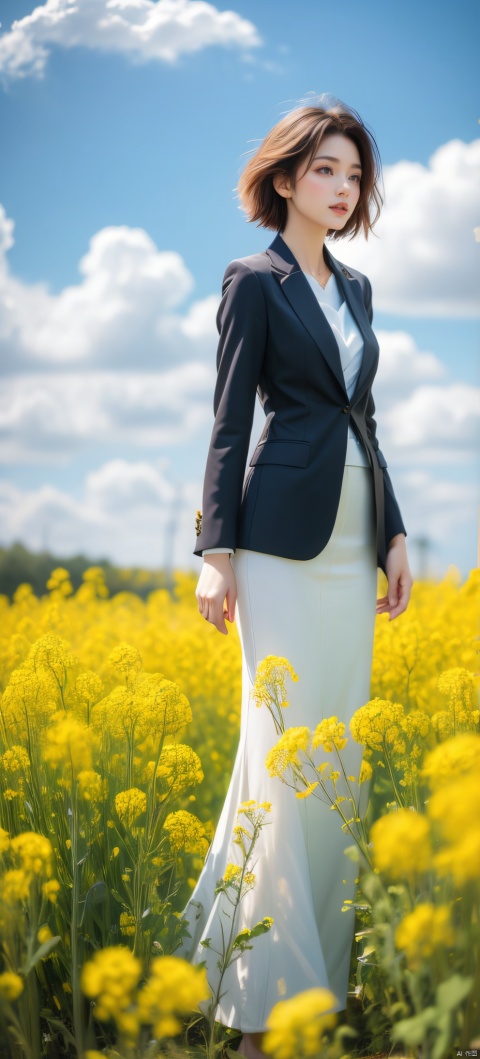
215,585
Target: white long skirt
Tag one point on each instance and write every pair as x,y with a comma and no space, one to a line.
319,614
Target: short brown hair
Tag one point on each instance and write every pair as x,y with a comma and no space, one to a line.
295,138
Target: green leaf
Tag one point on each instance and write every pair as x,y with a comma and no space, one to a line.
451,993
444,1036
60,1026
41,953
96,895
260,928
414,1030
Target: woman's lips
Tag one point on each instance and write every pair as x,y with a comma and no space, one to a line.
338,209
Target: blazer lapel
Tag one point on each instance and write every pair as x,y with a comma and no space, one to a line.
304,303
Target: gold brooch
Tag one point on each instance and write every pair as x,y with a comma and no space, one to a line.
198,522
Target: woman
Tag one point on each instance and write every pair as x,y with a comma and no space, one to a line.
293,549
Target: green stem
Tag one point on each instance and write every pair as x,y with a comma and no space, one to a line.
31,981
19,1036
77,996
396,792
227,952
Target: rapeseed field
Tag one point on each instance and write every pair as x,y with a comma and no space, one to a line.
119,723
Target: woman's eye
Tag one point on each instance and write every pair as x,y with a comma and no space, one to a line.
330,170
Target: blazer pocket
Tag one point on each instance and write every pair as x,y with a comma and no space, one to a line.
290,453
381,458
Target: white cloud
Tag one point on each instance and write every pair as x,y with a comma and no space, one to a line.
443,512
47,418
143,30
440,422
119,486
129,511
136,514
402,365
126,314
126,311
420,412
423,258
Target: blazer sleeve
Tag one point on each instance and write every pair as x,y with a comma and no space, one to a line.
242,327
393,520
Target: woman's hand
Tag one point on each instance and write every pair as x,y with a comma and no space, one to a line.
399,579
215,584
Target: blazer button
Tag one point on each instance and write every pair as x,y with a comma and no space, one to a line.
347,408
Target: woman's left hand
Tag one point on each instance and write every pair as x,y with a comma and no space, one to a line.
399,579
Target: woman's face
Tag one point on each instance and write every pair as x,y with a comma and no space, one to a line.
327,182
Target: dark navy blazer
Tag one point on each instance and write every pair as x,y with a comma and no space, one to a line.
276,341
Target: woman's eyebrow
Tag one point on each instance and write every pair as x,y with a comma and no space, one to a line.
354,165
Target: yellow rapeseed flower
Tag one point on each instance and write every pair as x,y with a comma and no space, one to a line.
308,790
11,985
179,767
455,811
14,886
110,978
232,873
174,988
377,723
186,833
149,706
286,751
130,805
125,658
89,687
452,759
415,724
52,653
459,686
44,934
15,759
50,890
59,581
422,931
365,771
28,695
68,743
91,786
34,852
269,685
4,840
330,734
295,1027
401,844
127,923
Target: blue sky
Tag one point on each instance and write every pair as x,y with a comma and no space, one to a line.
126,128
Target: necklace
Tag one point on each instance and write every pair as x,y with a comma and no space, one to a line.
317,277
323,285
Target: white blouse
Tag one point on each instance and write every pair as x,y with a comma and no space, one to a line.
349,337
350,344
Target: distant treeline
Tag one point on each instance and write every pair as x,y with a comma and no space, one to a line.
18,565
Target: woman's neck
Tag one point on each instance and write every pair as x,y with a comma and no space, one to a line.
307,246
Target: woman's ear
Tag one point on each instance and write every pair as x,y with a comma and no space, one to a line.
281,183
